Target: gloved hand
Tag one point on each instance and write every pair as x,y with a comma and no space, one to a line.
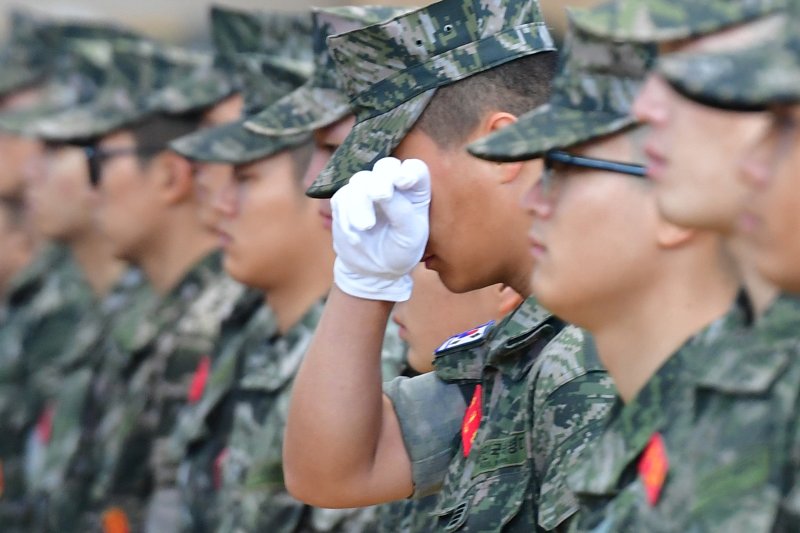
380,229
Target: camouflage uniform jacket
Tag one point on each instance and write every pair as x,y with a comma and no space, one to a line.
44,304
711,443
204,424
253,496
542,396
159,361
59,475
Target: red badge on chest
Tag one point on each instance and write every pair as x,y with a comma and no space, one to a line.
44,426
472,420
653,467
199,380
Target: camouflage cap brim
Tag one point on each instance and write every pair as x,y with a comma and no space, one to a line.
17,77
668,20
368,141
232,144
90,121
303,111
548,128
745,80
23,122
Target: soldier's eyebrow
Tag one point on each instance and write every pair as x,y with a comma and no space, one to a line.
244,175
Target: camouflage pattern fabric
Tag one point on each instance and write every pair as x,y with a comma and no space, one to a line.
725,406
406,516
45,303
160,361
272,33
669,20
320,102
235,33
264,80
58,475
391,70
24,59
82,58
591,96
752,78
140,68
253,496
204,425
543,398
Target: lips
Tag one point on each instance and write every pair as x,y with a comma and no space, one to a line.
537,246
656,162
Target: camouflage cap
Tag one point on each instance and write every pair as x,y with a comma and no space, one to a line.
24,59
234,32
203,87
668,20
592,96
747,79
139,68
82,57
261,32
265,79
320,101
392,70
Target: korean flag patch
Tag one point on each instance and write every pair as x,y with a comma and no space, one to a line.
468,337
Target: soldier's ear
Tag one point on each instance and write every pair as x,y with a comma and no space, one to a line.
177,184
492,122
509,300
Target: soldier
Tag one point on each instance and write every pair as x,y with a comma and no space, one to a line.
16,241
424,85
320,107
45,301
706,194
268,229
703,442
204,426
149,213
758,77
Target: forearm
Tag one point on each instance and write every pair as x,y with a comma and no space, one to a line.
342,444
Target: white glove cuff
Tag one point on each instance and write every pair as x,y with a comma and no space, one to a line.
371,288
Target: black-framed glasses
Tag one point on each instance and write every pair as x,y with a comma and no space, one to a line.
565,158
97,157
554,157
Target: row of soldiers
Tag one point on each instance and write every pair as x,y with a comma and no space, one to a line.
618,220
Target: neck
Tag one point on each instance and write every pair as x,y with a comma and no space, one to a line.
180,245
635,339
761,292
302,287
100,268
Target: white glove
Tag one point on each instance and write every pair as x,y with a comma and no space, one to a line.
380,229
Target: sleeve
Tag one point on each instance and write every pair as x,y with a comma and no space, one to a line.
430,412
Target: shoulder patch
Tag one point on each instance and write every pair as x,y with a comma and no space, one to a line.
468,337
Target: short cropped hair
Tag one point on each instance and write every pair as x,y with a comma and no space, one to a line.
515,87
158,131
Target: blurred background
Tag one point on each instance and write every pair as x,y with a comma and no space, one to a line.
184,21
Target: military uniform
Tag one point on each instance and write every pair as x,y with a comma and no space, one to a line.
242,469
132,456
538,394
60,474
45,303
710,443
